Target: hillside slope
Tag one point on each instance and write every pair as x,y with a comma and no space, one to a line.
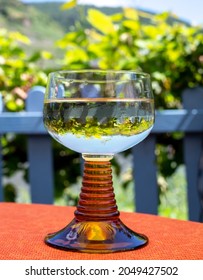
31,22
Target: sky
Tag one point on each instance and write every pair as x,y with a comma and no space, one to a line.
189,10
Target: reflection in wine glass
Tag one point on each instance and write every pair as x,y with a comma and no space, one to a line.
98,113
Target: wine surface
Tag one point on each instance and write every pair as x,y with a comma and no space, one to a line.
99,125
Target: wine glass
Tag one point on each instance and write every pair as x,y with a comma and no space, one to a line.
98,113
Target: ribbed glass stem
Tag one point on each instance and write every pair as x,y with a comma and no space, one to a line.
97,200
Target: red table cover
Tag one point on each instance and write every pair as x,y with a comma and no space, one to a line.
24,226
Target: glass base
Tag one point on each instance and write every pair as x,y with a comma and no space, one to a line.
96,237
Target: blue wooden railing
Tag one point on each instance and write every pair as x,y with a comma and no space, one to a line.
188,120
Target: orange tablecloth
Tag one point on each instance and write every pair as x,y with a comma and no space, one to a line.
23,227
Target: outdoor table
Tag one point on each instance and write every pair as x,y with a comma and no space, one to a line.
24,226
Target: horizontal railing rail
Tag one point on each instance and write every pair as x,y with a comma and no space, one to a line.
167,121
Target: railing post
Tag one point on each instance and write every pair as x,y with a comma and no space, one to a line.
144,164
39,155
193,145
200,185
1,162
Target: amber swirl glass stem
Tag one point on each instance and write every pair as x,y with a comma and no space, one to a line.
96,227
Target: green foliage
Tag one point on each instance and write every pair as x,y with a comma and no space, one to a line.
18,72
9,193
171,53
